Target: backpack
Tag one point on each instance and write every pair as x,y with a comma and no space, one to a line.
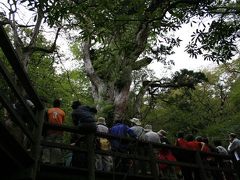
104,144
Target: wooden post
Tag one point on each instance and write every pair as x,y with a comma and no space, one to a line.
91,156
202,172
153,162
36,148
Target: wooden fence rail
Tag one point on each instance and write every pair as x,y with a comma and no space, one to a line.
197,159
22,154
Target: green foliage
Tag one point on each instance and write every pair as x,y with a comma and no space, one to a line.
217,40
235,94
69,85
107,110
188,78
210,109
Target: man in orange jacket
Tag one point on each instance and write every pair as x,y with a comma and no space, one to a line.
55,116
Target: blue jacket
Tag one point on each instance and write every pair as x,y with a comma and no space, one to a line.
120,130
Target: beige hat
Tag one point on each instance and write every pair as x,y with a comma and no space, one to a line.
136,121
162,132
101,120
148,127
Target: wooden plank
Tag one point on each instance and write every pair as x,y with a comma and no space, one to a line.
13,149
62,146
7,77
153,162
15,117
36,148
50,172
91,156
202,172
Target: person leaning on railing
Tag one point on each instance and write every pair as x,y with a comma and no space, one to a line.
55,116
223,163
234,150
118,145
84,118
103,162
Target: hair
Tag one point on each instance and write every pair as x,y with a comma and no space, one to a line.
75,104
217,142
205,140
56,103
199,138
118,121
189,137
232,135
93,110
180,134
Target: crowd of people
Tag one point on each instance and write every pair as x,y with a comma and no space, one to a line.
84,117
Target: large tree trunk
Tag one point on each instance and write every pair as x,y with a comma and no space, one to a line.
117,92
106,91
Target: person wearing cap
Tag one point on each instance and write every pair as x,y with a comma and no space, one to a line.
101,125
234,150
223,163
163,136
150,135
137,129
103,162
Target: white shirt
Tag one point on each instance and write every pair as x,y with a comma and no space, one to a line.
152,137
138,131
102,128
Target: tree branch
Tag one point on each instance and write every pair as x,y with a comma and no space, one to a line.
88,64
36,28
143,30
141,63
51,49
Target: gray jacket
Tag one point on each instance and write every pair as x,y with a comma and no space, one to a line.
234,148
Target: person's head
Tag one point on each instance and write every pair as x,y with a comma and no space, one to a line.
232,136
199,138
56,103
217,142
147,128
101,120
135,121
162,132
93,110
180,134
75,104
205,140
189,137
118,121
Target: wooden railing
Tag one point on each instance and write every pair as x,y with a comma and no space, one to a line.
12,77
203,165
